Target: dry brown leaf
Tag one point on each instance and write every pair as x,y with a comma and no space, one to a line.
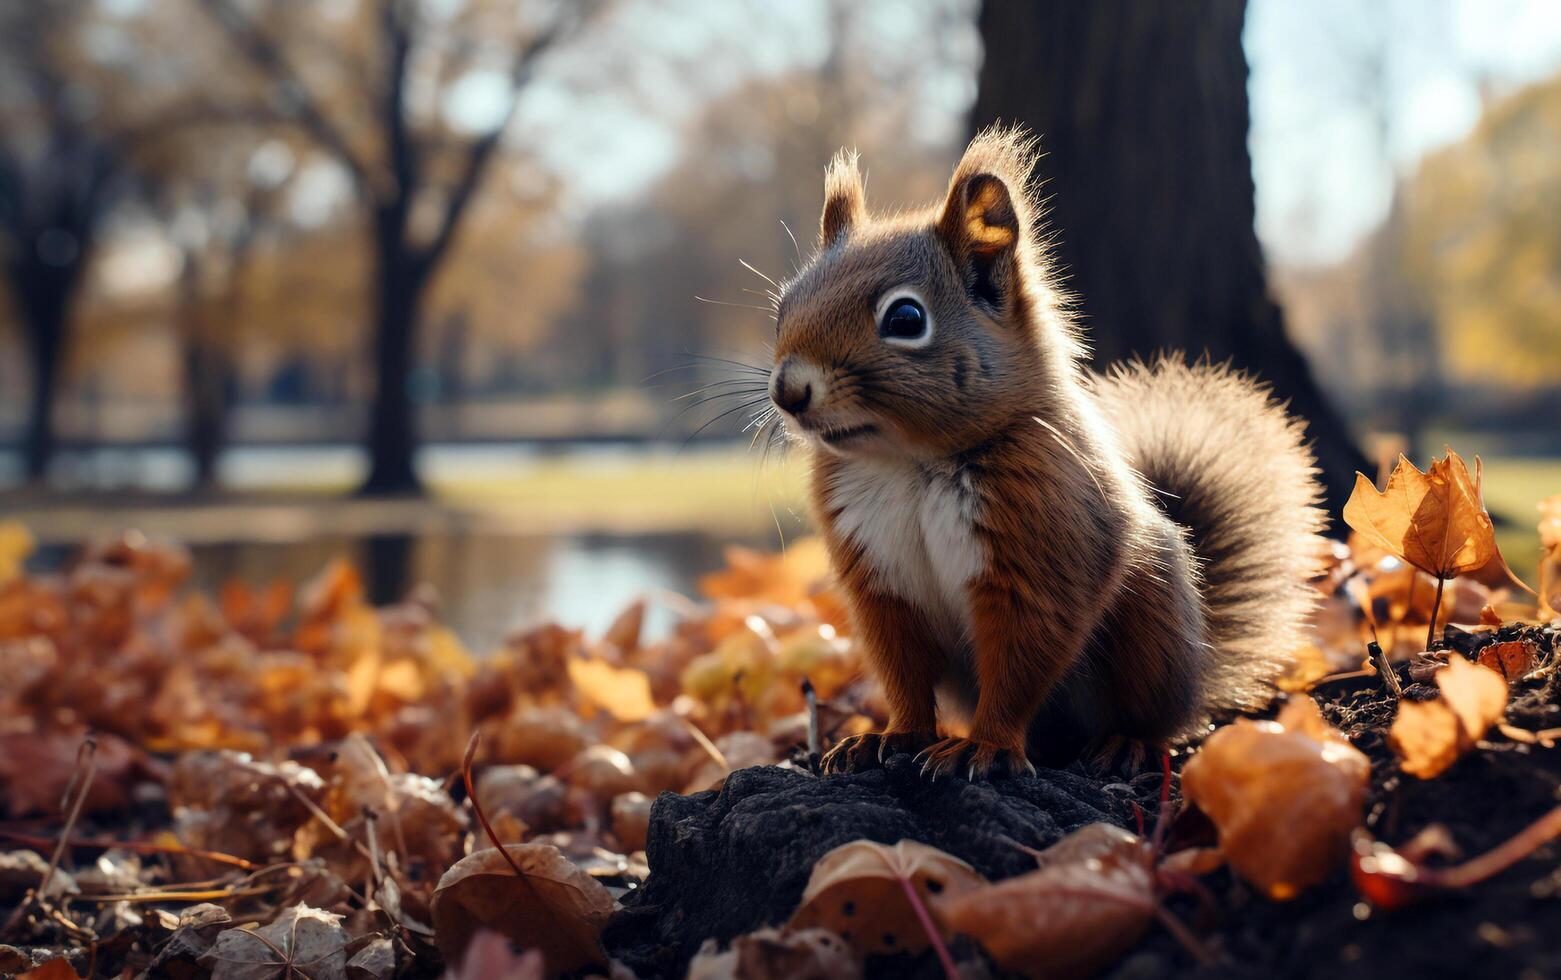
554,906
1430,736
1091,899
859,891
774,954
301,942
622,692
57,969
1434,520
1512,659
1285,795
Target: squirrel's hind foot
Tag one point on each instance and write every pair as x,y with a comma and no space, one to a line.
973,760
857,753
1120,755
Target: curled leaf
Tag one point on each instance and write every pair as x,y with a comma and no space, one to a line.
552,906
1433,520
1429,736
862,891
1284,794
1091,899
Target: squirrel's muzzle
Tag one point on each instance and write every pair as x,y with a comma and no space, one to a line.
794,386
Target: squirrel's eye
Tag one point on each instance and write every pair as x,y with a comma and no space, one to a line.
905,319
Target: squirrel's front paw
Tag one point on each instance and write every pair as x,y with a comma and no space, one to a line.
854,753
973,759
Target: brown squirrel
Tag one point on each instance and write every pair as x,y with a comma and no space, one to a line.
1057,554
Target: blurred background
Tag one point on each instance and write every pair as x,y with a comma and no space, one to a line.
443,285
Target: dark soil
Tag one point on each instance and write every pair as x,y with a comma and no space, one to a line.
723,863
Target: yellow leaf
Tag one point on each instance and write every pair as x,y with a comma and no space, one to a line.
1285,795
1430,736
16,543
622,692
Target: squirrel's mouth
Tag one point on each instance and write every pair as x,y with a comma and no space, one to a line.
836,437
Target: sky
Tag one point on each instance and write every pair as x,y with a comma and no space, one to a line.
1348,94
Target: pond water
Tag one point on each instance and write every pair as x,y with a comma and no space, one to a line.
488,583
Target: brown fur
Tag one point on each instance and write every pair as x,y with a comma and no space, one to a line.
1093,612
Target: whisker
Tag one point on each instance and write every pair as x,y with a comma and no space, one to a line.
754,389
761,275
718,418
794,245
756,368
717,397
739,306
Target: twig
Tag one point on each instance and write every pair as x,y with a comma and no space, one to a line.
815,745
139,847
1385,670
86,755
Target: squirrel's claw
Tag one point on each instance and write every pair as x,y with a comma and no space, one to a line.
870,750
975,760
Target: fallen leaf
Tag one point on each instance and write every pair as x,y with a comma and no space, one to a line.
552,906
1434,520
57,969
375,961
861,891
775,954
622,692
1091,899
1284,794
16,543
1511,659
300,942
1429,736
1550,561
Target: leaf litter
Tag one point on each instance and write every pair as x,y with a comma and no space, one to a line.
269,781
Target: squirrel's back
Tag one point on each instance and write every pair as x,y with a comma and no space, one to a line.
1225,461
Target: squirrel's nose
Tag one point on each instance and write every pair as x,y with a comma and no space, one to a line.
789,392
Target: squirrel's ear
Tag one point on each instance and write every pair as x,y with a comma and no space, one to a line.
980,225
845,201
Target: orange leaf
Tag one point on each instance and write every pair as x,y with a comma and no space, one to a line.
1434,520
1091,899
622,692
1512,659
1284,794
1430,736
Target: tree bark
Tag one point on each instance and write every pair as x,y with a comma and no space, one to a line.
1142,111
392,434
43,295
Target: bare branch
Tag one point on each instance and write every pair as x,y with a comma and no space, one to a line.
522,68
265,54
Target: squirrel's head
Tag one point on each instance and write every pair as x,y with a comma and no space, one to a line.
918,334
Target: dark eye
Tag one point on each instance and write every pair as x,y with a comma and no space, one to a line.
905,319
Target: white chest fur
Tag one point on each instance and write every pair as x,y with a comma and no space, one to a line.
914,525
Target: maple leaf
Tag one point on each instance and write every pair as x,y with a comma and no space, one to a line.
1435,521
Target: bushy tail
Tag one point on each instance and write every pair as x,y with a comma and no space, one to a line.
1227,462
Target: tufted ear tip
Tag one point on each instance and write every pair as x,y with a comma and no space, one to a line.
845,199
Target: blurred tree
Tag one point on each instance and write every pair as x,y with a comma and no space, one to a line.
60,172
378,107
1142,109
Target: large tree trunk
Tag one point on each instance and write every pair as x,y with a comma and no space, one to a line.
392,434
1142,111
43,294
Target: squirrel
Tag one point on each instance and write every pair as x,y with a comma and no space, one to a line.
1061,557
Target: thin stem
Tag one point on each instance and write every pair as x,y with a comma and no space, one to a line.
482,818
949,969
1502,856
86,757
1436,606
